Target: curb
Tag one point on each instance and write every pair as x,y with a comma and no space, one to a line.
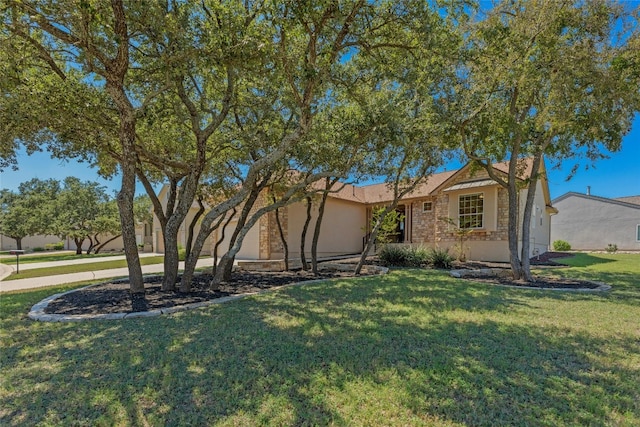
37,312
5,271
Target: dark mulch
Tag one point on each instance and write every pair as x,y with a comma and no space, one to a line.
547,259
542,282
114,297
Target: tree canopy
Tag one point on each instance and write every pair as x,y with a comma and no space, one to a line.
220,100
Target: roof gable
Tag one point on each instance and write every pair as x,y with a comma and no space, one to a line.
381,193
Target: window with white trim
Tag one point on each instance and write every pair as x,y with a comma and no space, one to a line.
427,206
471,211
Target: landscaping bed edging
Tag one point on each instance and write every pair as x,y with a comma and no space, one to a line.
37,312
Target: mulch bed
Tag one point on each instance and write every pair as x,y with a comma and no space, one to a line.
547,259
114,297
541,282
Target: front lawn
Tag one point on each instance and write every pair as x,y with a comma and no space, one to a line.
412,348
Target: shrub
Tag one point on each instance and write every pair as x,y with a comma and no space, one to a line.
440,258
392,255
38,249
611,248
403,256
54,246
182,253
561,246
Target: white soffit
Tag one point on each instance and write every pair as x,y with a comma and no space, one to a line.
471,184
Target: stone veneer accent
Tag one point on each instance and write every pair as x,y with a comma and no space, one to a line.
423,224
275,243
429,229
502,230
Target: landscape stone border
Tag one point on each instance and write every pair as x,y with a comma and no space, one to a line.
488,272
37,312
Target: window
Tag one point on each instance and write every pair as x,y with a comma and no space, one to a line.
470,211
638,232
427,206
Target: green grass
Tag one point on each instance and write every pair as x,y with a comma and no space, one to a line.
411,348
78,268
66,256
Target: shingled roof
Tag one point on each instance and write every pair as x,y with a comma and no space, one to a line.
380,193
635,200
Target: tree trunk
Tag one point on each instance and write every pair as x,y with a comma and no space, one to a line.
526,219
221,239
102,245
125,206
316,231
514,208
93,242
303,237
171,256
285,245
128,162
225,267
203,234
18,243
192,227
78,241
373,235
186,195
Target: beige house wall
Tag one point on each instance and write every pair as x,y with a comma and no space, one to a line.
341,231
540,227
344,223
29,242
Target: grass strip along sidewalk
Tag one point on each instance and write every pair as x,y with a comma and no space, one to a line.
414,347
79,268
34,258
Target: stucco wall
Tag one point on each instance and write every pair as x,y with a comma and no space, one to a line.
540,222
28,243
592,223
341,231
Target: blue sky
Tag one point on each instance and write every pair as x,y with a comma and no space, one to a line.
617,176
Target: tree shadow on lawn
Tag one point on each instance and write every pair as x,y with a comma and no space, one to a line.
625,287
342,352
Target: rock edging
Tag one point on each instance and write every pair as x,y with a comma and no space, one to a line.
37,312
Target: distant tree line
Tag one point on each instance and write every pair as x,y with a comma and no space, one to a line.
73,209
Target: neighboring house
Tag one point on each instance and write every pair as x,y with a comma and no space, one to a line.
592,223
467,196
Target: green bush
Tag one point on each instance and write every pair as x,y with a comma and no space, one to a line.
561,246
440,258
54,246
403,256
611,248
182,253
38,249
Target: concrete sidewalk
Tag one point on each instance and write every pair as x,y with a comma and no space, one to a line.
40,282
32,265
